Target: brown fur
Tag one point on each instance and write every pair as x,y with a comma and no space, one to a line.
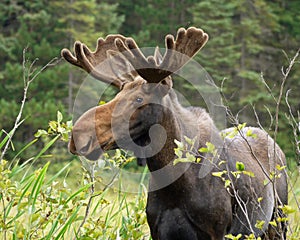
206,209
185,201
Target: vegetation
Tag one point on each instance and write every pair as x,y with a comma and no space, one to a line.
252,55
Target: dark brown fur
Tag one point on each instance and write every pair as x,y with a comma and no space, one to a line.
185,201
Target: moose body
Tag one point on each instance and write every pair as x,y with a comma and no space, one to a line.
185,201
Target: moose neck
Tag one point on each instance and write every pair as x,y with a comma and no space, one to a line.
177,123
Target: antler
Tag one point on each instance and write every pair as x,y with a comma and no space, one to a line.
117,70
178,52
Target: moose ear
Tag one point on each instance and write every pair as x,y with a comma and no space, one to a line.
157,56
121,68
164,86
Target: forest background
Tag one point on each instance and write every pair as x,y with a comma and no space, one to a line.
248,39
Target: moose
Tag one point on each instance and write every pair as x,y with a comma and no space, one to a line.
186,200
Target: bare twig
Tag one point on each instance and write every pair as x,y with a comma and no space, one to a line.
295,124
29,75
285,74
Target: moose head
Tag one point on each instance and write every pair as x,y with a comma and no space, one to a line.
143,83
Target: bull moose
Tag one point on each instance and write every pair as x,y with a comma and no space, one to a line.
186,200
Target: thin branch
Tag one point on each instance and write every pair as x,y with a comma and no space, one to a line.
267,86
297,142
294,124
27,81
285,73
285,76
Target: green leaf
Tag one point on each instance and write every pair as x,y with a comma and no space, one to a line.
179,144
266,181
259,224
240,166
287,209
178,152
222,162
232,237
260,199
190,157
59,117
219,174
53,125
80,190
210,147
101,102
65,137
40,132
67,224
280,168
23,149
5,139
273,223
37,185
180,160
58,173
45,148
189,141
249,133
248,173
227,183
241,126
203,150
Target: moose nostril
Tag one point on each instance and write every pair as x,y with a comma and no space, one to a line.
86,148
72,147
83,150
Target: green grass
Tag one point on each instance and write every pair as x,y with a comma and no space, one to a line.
43,205
47,200
294,201
46,204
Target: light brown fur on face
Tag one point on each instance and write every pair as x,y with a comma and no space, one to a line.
93,130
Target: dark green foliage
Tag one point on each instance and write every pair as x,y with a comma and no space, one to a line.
44,28
247,40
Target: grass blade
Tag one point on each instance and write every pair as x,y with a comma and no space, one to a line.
67,224
58,173
38,184
44,149
78,191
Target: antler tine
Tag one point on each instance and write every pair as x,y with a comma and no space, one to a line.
178,52
95,64
145,67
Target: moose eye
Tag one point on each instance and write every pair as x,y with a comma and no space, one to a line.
139,100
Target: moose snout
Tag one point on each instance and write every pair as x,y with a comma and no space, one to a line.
72,147
83,146
77,148
91,133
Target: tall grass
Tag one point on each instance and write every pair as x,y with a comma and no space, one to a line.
39,205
